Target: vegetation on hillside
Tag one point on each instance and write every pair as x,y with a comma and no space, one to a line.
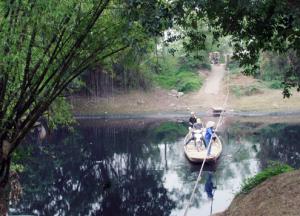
270,73
272,170
176,72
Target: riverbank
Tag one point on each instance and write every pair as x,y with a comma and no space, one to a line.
124,104
247,96
277,196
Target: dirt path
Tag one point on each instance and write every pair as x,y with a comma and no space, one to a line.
214,81
211,94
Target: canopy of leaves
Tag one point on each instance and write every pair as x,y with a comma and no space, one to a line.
254,26
45,45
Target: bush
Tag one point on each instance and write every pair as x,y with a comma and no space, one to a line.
273,66
184,81
235,90
239,91
252,90
205,66
275,84
180,71
179,74
232,64
273,169
188,81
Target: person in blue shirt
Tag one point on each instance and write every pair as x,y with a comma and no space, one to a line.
209,134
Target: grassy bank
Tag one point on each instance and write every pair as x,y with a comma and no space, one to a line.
181,80
180,72
272,170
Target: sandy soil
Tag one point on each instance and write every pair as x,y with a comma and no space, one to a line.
212,94
277,196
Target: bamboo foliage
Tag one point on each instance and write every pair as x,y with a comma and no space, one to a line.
47,44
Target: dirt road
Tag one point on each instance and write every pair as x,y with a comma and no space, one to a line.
214,81
211,94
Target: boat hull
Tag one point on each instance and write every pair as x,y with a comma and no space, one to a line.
196,153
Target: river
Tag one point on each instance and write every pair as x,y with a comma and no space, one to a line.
137,167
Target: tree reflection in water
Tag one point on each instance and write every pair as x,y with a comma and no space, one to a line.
136,168
280,142
96,171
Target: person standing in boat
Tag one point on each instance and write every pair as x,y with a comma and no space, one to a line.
209,134
192,120
197,128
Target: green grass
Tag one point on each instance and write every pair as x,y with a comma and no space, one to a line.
184,81
274,84
273,169
205,66
240,91
272,67
180,72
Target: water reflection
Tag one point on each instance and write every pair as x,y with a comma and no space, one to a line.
138,168
209,185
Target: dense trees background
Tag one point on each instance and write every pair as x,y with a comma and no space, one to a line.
264,36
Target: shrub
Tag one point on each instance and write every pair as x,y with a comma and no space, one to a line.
252,90
232,64
188,81
184,81
273,169
180,72
235,90
205,66
275,84
239,90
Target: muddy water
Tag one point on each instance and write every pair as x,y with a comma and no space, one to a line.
136,167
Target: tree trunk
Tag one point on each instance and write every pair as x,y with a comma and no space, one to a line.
4,186
4,171
4,199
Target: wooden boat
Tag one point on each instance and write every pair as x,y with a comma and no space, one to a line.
197,152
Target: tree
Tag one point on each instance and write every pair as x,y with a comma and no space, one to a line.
254,26
45,45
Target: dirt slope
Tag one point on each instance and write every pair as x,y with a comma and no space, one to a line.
214,81
278,196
